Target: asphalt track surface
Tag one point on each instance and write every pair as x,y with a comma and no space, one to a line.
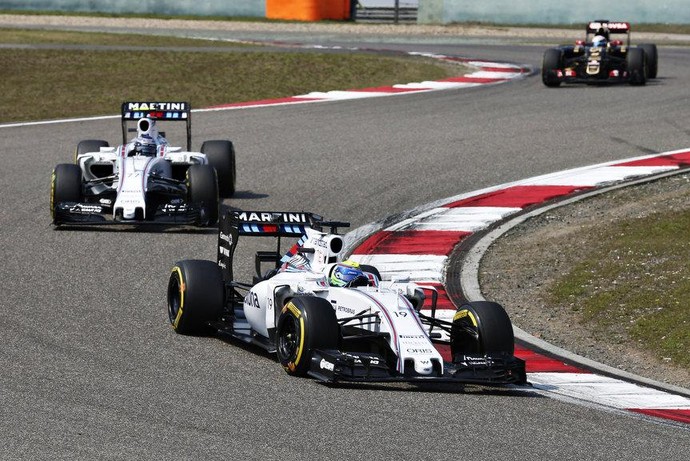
91,368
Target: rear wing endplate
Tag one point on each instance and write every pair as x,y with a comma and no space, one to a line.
173,111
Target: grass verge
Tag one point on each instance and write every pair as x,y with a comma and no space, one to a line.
44,84
633,284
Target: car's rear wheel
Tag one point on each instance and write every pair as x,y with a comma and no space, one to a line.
89,145
481,327
202,193
552,63
652,59
195,296
306,323
637,66
65,186
221,156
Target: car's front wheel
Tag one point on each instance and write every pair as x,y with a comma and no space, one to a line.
552,63
306,323
195,296
481,327
65,186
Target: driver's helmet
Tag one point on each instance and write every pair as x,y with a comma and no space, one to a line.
601,37
144,145
599,40
347,274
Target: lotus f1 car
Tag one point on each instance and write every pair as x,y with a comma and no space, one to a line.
144,180
365,330
599,59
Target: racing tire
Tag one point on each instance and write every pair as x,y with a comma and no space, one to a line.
553,61
652,59
481,327
65,186
89,145
221,156
202,192
637,66
195,296
306,323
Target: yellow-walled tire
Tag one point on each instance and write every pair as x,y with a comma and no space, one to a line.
306,323
481,327
195,296
65,186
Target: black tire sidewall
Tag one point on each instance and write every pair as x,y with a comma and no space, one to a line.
635,61
652,53
195,296
221,156
202,191
66,185
318,326
552,61
494,327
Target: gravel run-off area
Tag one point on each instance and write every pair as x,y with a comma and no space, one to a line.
518,269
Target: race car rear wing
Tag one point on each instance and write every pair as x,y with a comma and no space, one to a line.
233,223
613,27
168,111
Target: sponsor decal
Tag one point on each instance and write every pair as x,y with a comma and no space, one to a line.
265,216
326,365
162,106
81,208
222,265
224,251
318,242
105,201
347,310
252,299
226,238
411,336
359,359
419,351
292,308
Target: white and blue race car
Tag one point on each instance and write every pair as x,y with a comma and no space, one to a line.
145,179
335,320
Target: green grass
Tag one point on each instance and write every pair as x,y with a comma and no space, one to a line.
44,84
633,286
58,37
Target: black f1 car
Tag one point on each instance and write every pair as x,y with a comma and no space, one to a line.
600,59
145,179
336,320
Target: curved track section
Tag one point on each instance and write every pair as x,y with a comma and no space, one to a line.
91,368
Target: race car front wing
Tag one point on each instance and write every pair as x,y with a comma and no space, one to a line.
491,369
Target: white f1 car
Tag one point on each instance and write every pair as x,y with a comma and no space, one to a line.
335,320
144,180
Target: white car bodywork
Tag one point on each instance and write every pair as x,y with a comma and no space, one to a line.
131,171
386,302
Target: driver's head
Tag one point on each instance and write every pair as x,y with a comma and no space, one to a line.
347,274
598,40
601,37
144,145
